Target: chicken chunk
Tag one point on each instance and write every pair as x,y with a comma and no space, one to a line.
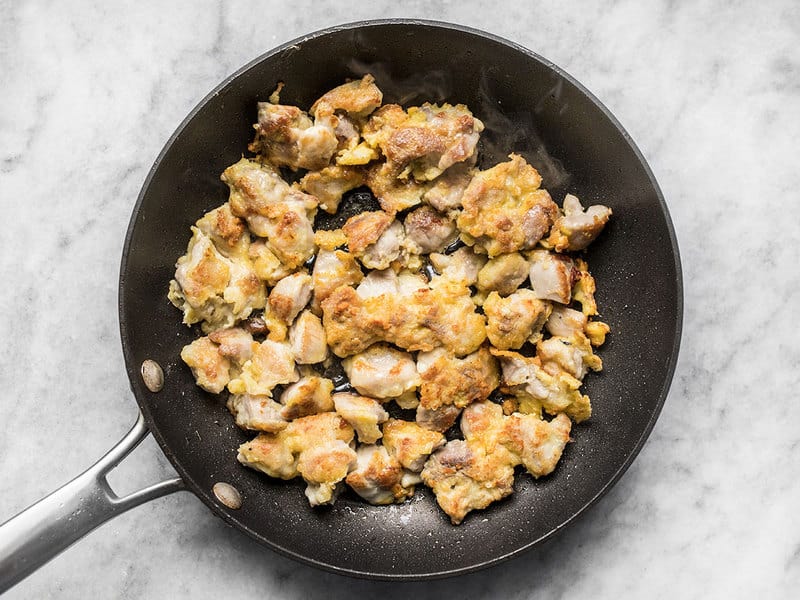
382,372
551,276
505,210
572,355
266,265
332,269
211,369
374,237
272,364
516,319
235,343
289,296
446,379
565,322
577,228
410,443
503,274
227,232
315,447
307,339
462,265
364,414
437,419
213,289
393,194
309,395
446,191
259,413
330,184
584,287
429,231
378,477
357,98
273,210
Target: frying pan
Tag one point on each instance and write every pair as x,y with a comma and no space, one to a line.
529,106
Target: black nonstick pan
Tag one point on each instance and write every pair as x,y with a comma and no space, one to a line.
529,106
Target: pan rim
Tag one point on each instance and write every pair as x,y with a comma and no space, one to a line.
207,499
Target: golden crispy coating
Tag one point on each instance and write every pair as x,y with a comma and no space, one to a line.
309,395
516,319
503,274
394,194
228,233
446,379
364,229
504,208
332,269
379,477
584,288
272,364
364,414
410,443
210,368
329,185
358,98
577,228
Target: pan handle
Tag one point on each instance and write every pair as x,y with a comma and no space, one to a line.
42,531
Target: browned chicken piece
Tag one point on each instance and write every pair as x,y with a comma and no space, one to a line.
442,315
357,98
310,395
446,191
213,289
428,230
462,265
584,288
266,265
289,296
424,141
286,136
466,478
235,343
330,239
437,419
393,194
330,184
503,274
572,355
516,319
379,478
577,228
228,232
272,364
273,210
382,372
505,210
332,269
565,322
364,415
257,413
379,283
307,339
210,368
551,276
315,447
374,237
446,379
524,377
410,443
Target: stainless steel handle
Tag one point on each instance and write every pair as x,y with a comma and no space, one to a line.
44,530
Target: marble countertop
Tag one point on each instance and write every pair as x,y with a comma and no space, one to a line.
710,91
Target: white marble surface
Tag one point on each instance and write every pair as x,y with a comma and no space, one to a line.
710,91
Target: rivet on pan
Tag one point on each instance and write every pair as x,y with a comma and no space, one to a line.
153,375
228,495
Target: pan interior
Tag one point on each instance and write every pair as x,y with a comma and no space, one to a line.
528,106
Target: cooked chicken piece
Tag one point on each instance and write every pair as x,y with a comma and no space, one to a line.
259,413
235,344
466,478
516,319
524,377
289,296
565,322
330,184
394,194
577,228
446,379
265,264
410,443
211,369
333,268
424,141
447,190
228,232
503,274
573,355
442,315
315,447
273,210
437,419
584,288
551,276
272,364
386,249
309,395
307,338
378,477
505,210
286,136
596,331
429,231
357,98
211,288
330,239
364,414
382,372
364,229
462,265
378,283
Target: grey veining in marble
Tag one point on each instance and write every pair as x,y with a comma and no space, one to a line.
710,91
